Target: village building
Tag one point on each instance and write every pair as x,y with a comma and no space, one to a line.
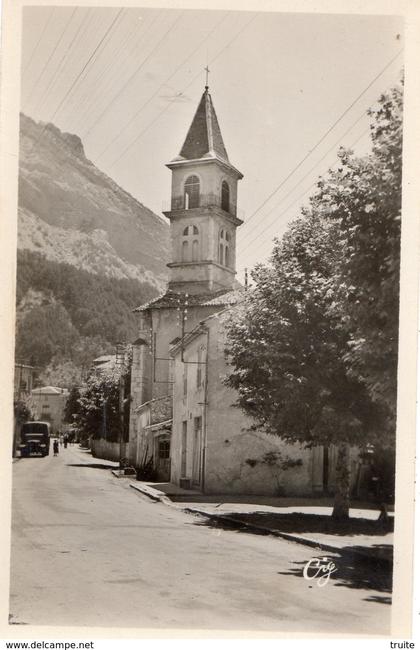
23,381
48,404
213,446
184,426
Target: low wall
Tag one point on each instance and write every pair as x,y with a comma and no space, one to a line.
107,450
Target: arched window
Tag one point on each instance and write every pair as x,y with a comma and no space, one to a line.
225,196
190,246
221,253
221,247
192,192
224,246
185,251
195,250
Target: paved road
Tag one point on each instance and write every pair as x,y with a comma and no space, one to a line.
89,550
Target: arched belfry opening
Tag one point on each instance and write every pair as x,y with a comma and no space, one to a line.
225,196
192,192
224,248
190,245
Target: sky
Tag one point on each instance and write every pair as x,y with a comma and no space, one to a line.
288,90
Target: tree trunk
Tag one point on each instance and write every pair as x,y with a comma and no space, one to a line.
342,484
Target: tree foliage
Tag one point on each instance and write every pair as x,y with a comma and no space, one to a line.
313,348
94,407
72,406
22,412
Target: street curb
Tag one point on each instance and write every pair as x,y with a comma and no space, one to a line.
117,473
155,495
287,536
158,496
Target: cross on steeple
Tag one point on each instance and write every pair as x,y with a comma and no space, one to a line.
207,76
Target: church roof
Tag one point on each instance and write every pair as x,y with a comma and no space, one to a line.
172,299
204,138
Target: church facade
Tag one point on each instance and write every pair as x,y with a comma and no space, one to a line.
183,422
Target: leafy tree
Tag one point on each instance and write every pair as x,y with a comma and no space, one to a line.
98,404
22,412
313,348
72,407
363,199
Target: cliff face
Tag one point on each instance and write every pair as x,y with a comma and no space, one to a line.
70,211
88,253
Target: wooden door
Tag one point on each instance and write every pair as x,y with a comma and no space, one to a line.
163,458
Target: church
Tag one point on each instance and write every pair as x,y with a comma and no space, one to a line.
184,427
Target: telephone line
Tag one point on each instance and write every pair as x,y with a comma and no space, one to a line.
96,54
67,25
137,70
110,81
31,58
337,142
296,200
84,24
183,90
78,77
162,85
325,135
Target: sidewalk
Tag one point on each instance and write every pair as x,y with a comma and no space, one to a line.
305,521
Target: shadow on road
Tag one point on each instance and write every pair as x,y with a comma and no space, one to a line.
358,567
298,522
92,465
229,525
383,600
354,572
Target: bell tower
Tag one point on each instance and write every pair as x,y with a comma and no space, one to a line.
203,212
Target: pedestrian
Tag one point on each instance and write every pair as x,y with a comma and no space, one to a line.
55,447
61,439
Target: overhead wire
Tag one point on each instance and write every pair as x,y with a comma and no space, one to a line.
298,198
136,71
73,84
183,90
32,56
325,135
129,52
44,67
83,24
162,85
75,81
333,146
103,44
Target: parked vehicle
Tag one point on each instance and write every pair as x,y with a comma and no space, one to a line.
35,439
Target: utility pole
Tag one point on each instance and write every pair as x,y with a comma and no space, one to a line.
120,359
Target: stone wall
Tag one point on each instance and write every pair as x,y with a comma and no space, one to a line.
161,409
107,450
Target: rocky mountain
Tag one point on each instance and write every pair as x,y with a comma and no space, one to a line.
72,212
88,254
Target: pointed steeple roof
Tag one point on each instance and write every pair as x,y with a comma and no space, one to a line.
204,138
